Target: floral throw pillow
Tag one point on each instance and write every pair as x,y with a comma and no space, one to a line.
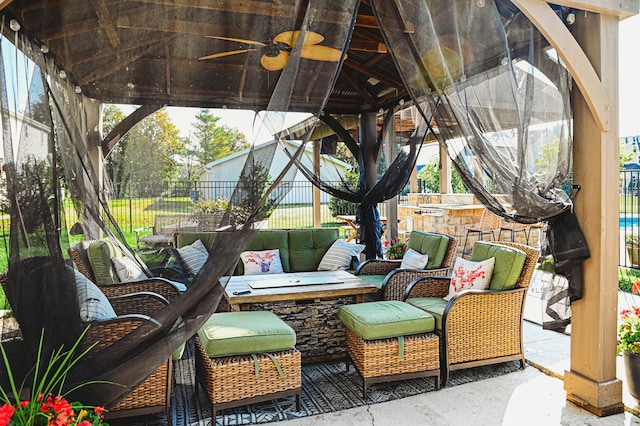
261,262
468,275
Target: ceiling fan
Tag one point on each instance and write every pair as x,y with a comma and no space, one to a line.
276,54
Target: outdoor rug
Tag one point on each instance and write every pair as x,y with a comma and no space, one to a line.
326,387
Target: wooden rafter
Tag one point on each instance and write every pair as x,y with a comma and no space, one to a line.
357,86
104,18
120,63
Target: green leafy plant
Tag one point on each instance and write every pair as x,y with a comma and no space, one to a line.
396,250
629,330
47,404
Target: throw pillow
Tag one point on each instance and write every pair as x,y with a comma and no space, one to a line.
339,255
128,270
413,259
468,275
261,262
94,305
193,257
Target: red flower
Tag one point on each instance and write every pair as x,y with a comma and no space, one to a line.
635,289
6,411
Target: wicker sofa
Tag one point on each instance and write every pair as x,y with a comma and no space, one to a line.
301,250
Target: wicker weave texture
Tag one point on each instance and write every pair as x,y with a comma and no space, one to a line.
375,358
397,283
496,317
234,378
150,393
377,267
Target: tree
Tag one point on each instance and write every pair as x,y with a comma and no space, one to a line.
216,141
430,176
145,157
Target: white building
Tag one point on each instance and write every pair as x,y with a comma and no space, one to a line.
218,178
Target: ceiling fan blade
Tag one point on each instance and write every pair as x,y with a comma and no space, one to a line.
275,63
290,38
321,53
222,54
239,40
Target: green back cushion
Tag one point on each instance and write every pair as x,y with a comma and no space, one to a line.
237,333
434,245
308,246
508,266
100,253
185,239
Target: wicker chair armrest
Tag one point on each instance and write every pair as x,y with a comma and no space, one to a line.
397,281
377,267
161,286
104,333
485,322
142,302
429,286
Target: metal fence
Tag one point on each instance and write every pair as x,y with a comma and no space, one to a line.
629,215
149,199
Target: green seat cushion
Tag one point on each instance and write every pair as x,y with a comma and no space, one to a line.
433,305
508,266
381,320
373,279
100,253
435,245
238,333
308,246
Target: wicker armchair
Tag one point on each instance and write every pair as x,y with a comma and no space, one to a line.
161,286
134,310
396,280
477,327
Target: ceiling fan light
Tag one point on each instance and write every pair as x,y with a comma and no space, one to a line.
14,25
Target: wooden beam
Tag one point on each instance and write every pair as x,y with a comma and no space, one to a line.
357,86
4,3
620,9
104,18
558,35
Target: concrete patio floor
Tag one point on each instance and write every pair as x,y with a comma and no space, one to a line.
533,396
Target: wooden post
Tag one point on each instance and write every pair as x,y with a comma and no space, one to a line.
317,222
93,112
445,172
591,382
389,141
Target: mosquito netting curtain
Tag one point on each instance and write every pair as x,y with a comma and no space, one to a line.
52,183
504,121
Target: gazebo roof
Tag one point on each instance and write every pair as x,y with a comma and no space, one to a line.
153,52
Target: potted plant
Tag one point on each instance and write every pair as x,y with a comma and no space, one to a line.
396,250
633,248
629,347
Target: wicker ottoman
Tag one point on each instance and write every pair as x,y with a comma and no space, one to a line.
389,340
247,357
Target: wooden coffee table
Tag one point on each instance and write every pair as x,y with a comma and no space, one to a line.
307,301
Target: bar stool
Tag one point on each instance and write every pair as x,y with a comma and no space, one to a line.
513,228
488,225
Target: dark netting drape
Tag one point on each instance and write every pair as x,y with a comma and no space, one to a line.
507,130
50,133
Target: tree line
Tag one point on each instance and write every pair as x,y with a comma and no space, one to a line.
153,152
